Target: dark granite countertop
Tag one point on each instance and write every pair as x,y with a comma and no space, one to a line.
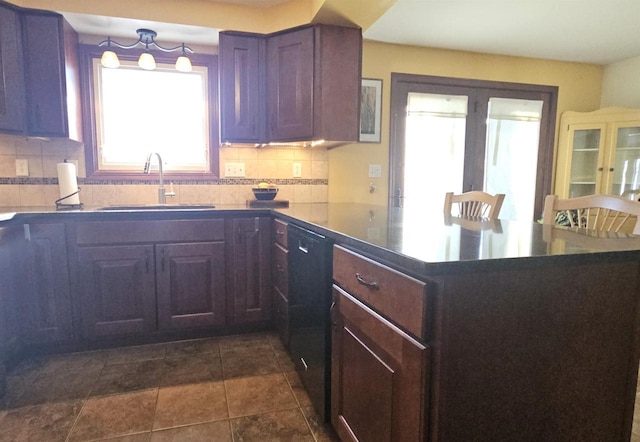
417,244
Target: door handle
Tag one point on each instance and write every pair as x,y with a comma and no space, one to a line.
303,247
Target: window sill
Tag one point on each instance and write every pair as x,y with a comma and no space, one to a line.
153,176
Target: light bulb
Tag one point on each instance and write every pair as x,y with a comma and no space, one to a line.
183,64
146,61
110,60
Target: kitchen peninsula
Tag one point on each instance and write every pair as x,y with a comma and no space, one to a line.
525,332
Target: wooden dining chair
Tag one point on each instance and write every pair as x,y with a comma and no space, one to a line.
474,204
597,212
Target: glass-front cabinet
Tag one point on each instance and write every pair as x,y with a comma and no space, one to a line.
599,153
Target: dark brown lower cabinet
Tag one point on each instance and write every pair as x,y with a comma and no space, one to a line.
117,286
378,376
190,285
251,273
42,292
8,323
281,316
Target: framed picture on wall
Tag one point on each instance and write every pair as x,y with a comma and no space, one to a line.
370,110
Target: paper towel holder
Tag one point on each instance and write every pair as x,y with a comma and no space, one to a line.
62,206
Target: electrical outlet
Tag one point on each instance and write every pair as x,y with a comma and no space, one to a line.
297,170
375,170
22,167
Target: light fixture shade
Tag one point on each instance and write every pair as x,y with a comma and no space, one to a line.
183,64
110,60
146,61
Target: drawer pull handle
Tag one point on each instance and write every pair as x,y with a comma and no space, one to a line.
279,232
279,268
364,282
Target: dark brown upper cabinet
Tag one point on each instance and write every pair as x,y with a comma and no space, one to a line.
242,81
297,85
11,82
39,91
51,74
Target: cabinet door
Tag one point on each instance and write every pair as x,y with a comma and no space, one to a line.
45,74
242,81
624,161
378,376
251,245
586,165
281,316
290,85
190,285
12,83
43,293
117,289
9,245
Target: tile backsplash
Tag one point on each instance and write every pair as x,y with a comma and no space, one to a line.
270,164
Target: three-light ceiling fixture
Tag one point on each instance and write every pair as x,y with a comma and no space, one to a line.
146,38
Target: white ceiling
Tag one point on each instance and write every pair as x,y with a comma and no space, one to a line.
593,31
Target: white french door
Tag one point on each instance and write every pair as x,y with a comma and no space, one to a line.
460,138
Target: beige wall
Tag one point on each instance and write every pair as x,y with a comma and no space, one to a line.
346,167
621,84
272,164
206,13
579,89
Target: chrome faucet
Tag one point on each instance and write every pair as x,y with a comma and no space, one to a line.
162,194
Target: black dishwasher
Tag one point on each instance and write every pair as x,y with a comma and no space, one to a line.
310,275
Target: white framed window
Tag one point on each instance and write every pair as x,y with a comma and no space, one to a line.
128,113
139,111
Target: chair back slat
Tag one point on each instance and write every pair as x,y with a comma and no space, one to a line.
597,212
474,204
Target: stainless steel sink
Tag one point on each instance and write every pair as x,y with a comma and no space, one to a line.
160,207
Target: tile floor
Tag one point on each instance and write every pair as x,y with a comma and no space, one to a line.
237,388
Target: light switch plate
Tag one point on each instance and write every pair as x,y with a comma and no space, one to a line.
375,170
233,169
22,167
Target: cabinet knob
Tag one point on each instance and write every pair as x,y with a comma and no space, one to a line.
611,169
600,169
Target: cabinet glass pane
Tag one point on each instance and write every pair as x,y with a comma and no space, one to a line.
584,162
626,175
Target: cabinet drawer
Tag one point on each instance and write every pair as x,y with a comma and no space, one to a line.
281,270
280,232
127,232
395,295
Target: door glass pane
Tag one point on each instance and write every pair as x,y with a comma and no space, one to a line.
513,130
434,150
626,175
584,162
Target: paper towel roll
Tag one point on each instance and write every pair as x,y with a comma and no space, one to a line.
68,183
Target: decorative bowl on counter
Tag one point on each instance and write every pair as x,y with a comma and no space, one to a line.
265,193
